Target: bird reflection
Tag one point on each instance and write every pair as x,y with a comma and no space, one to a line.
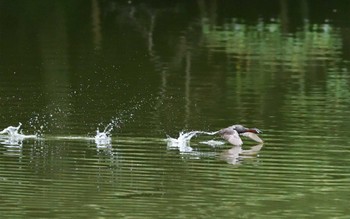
236,154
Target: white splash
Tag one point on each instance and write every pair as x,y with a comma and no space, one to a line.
104,138
15,133
183,141
12,137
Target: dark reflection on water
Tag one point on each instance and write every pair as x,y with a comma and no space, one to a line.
153,69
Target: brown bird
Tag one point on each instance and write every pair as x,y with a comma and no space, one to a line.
232,134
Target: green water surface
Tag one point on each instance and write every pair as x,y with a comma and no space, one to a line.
155,68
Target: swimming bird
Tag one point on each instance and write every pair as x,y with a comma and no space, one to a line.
232,134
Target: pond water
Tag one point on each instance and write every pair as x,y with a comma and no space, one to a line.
146,71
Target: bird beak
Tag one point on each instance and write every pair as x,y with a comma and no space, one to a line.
258,131
254,130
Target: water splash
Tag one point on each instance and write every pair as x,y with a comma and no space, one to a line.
183,141
11,130
15,132
104,138
12,136
39,123
50,119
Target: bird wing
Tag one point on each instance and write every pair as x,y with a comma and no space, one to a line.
232,137
253,136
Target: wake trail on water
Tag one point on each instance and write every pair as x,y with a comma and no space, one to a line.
102,138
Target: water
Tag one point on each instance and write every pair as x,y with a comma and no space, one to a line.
101,90
13,137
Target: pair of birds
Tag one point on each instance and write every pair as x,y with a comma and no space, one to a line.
232,134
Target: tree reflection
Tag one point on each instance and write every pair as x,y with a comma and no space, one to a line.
238,55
